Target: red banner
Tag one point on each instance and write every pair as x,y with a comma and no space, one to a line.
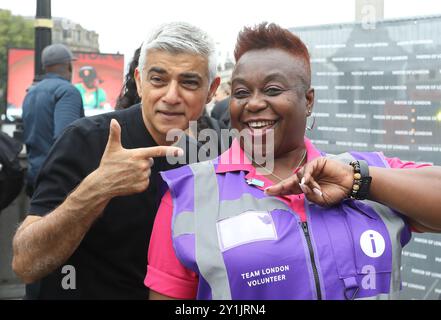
99,77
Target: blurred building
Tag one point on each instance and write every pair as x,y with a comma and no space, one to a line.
225,62
73,35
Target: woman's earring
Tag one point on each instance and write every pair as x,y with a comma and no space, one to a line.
310,127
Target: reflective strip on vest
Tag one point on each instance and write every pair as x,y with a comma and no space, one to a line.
208,254
395,226
183,224
346,157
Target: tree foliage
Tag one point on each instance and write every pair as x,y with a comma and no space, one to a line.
15,32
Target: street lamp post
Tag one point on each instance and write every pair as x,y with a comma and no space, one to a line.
43,38
43,34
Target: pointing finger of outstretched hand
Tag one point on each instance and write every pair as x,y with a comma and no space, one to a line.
285,187
159,151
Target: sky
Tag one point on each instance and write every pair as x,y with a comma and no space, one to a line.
123,25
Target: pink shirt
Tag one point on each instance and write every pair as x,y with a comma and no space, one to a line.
165,273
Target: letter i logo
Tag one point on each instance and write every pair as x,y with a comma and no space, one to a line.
372,243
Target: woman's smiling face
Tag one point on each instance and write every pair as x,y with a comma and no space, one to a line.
269,92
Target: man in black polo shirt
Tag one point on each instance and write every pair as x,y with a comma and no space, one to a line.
89,224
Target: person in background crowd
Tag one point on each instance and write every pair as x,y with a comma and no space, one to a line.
48,108
91,215
222,100
314,226
129,94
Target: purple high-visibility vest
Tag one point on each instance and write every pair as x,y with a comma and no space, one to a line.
246,245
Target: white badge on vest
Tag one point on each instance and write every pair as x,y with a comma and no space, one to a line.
249,226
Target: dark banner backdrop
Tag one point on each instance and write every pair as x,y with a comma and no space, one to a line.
379,89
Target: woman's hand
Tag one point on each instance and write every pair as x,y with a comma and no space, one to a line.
323,181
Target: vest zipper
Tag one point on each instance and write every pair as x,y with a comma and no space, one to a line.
311,255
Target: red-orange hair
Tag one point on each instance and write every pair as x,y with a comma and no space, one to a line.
271,36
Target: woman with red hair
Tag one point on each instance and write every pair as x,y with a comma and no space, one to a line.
301,224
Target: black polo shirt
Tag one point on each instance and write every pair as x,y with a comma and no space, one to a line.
111,261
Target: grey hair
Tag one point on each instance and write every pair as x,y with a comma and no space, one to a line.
180,37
